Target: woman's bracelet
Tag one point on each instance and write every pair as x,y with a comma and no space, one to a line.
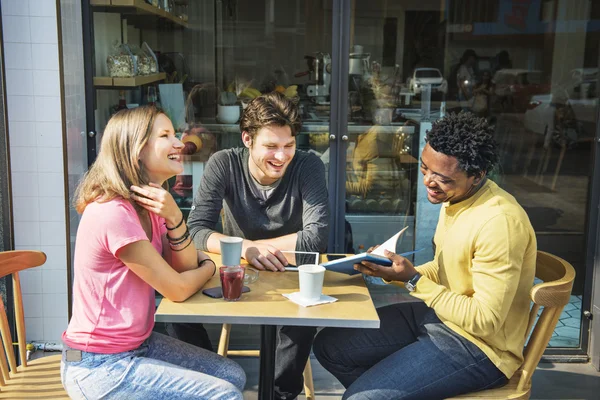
208,259
183,248
179,239
178,225
179,243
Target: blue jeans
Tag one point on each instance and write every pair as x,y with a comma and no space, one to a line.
161,368
293,350
413,355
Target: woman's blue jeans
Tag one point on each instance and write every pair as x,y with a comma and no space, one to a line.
161,368
413,355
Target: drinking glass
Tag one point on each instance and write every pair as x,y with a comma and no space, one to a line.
232,282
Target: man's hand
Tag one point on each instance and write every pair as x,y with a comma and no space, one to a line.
263,256
401,269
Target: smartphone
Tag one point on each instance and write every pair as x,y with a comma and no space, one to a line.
331,257
217,293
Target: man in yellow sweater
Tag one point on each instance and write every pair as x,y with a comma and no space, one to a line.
468,332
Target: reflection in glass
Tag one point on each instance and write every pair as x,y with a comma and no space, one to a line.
297,258
530,68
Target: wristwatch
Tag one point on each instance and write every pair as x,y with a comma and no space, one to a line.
411,284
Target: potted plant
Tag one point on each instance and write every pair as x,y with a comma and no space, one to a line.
228,111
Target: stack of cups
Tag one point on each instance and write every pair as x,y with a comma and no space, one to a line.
231,273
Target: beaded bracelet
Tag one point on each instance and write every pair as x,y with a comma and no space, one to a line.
178,225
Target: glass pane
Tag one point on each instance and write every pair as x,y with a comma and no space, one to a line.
381,157
213,57
250,60
530,68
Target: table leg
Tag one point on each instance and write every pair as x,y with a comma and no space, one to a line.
268,336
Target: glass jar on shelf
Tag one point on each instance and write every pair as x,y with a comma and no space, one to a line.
151,98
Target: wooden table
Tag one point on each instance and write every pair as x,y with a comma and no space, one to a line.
264,305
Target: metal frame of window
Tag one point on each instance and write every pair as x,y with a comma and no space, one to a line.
6,220
87,22
338,122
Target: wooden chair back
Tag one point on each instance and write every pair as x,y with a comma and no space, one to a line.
12,262
551,295
35,379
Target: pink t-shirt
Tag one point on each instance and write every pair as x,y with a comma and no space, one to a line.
113,309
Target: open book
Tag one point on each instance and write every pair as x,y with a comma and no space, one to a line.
346,264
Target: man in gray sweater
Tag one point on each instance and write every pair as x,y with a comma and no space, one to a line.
273,196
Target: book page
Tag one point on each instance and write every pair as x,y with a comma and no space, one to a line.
390,244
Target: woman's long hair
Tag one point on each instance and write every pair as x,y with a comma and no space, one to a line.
118,165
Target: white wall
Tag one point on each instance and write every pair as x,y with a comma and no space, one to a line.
37,152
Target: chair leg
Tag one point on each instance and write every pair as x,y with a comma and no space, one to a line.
309,387
224,340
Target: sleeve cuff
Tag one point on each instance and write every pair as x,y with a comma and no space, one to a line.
425,285
397,283
426,289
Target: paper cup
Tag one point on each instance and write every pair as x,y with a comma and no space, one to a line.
231,250
311,278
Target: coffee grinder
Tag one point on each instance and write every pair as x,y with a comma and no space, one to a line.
321,74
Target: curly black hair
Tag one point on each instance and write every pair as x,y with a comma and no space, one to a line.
468,138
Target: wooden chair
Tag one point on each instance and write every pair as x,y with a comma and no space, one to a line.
223,350
32,379
552,294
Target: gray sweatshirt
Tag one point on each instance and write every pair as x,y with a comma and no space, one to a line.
299,204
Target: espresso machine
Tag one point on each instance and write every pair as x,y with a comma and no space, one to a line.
319,71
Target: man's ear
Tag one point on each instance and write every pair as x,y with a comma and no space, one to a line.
479,178
247,139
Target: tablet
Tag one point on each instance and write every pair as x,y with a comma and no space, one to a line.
346,265
295,258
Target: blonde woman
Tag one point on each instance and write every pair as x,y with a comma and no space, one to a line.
132,240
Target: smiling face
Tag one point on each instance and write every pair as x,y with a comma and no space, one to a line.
271,151
443,178
161,156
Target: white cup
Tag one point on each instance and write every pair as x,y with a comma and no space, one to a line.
231,250
311,281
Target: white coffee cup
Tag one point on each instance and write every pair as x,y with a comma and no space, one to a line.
311,281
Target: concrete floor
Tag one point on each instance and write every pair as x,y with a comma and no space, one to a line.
550,381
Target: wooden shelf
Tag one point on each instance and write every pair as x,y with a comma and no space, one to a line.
129,82
137,7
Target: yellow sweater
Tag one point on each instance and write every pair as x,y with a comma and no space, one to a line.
480,278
